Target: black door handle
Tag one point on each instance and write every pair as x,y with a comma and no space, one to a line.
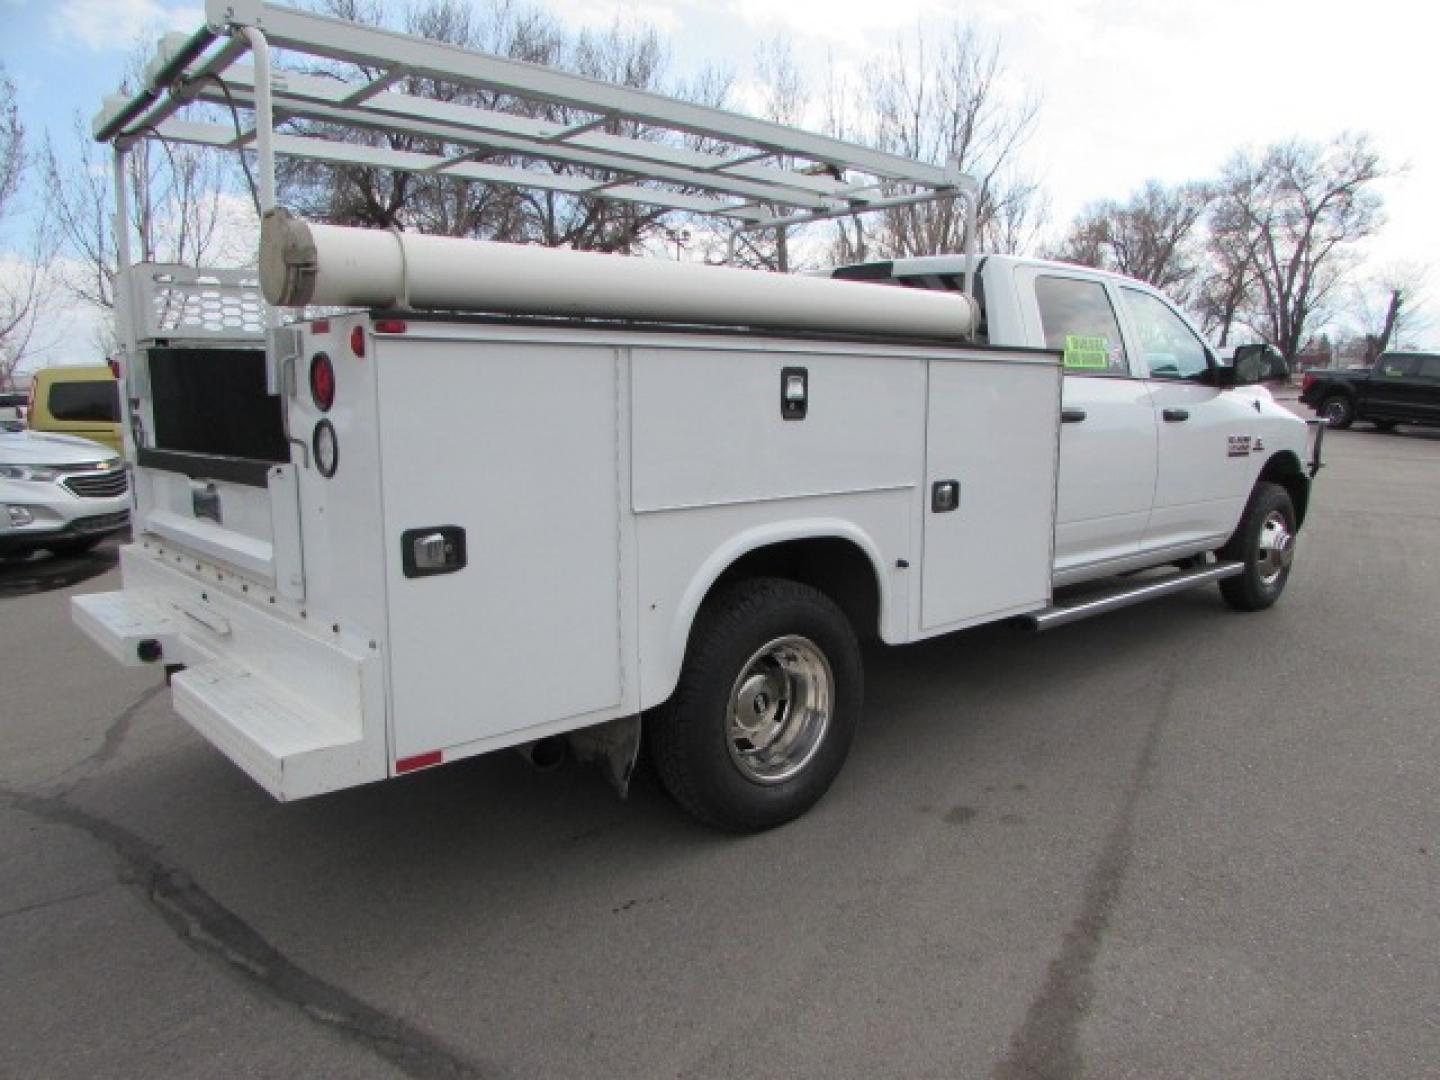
1071,416
1176,414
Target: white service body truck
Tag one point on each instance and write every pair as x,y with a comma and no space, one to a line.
519,497
447,534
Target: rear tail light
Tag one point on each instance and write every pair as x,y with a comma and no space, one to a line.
114,367
1307,382
390,326
357,341
322,381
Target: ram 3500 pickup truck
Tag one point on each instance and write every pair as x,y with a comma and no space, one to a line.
678,491
1400,388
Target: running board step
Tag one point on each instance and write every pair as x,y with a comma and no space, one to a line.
1051,617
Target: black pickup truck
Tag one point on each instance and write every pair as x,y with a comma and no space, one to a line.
1402,388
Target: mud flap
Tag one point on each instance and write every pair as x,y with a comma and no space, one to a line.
614,747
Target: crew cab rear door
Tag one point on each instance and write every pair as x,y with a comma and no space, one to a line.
1107,434
1427,390
1393,390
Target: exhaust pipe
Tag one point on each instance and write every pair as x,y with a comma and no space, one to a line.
544,754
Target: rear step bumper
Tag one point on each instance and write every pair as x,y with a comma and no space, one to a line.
1051,617
300,711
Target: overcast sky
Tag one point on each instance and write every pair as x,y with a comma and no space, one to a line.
1130,89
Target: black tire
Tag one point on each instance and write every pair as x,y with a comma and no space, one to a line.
1269,519
67,548
1338,411
759,628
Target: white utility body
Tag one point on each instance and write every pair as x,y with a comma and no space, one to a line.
518,493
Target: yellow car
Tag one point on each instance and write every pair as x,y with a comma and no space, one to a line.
82,400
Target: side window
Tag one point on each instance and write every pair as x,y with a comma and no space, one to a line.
948,283
1170,348
88,402
1430,367
1078,320
1396,367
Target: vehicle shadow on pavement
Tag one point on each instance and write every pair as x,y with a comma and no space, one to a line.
478,874
44,572
480,828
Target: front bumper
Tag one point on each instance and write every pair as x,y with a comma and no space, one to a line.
297,707
40,532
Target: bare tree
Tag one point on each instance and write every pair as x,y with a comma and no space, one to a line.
1298,210
377,197
1224,296
784,99
183,204
940,99
1153,236
1388,307
25,281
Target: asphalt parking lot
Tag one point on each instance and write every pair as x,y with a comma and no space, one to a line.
1171,842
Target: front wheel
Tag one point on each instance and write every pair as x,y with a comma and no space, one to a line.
766,706
1337,411
1264,542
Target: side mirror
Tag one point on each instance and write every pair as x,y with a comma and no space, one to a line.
1256,364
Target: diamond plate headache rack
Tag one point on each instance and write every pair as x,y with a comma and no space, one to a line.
753,173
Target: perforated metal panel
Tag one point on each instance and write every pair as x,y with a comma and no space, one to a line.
183,302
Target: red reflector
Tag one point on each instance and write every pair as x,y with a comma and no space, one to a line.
390,326
320,326
322,382
419,761
357,341
114,367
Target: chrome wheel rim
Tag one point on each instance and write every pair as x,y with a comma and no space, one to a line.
779,709
1335,412
1276,549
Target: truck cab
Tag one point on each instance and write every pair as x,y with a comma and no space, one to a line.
1161,443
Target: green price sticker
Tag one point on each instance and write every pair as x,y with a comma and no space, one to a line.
1089,353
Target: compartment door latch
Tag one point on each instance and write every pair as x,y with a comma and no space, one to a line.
435,549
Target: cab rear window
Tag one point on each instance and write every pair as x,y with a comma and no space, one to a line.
85,402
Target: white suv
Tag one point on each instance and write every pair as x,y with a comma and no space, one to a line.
59,493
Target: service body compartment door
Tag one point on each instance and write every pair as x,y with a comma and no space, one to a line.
515,444
992,429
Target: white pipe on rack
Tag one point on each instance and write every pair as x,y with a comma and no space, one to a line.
303,263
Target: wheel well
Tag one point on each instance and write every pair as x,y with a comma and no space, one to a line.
1284,469
838,568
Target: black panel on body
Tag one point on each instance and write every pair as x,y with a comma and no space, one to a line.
945,496
794,393
434,549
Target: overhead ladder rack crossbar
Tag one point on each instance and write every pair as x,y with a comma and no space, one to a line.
754,173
